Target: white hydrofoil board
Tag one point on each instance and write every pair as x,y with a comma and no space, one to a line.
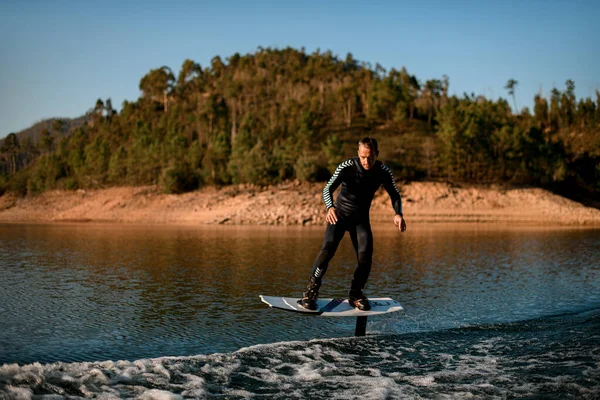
334,307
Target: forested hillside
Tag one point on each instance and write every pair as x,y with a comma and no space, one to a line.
283,114
58,127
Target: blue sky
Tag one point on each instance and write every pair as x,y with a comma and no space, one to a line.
58,57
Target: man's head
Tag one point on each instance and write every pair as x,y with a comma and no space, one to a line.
368,152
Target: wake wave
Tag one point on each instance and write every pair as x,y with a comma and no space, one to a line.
541,357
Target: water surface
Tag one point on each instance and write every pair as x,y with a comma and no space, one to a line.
485,307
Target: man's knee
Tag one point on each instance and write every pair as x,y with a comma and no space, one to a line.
326,254
329,248
365,258
322,262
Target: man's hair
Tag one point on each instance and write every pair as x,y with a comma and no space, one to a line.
369,143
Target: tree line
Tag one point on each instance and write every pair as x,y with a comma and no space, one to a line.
281,114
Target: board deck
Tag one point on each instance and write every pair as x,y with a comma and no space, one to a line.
334,307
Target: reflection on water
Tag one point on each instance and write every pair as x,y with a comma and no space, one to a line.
79,292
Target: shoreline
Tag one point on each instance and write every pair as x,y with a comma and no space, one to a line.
295,203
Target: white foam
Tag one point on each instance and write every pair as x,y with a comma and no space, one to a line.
107,380
262,374
155,394
240,393
19,393
308,372
366,368
107,396
418,380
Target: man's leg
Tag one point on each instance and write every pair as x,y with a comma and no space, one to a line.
362,239
331,241
333,236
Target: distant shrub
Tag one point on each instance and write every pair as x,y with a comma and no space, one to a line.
69,183
18,183
3,184
309,167
178,179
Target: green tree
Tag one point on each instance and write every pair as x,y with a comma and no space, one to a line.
11,149
117,167
431,98
510,86
58,125
215,160
96,161
568,104
46,143
555,114
157,85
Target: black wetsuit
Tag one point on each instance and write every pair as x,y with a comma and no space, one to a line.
352,208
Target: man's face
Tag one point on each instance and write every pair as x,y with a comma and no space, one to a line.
367,157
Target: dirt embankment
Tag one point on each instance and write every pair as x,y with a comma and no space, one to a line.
294,203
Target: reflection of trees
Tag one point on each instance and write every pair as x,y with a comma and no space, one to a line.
153,278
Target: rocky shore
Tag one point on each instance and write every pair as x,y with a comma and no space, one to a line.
295,203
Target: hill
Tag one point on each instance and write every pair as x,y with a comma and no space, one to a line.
282,114
34,132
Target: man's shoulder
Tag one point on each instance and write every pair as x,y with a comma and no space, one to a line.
343,168
380,166
348,163
383,168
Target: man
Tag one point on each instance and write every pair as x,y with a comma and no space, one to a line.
360,178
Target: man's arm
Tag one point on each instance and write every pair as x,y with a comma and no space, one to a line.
334,183
390,187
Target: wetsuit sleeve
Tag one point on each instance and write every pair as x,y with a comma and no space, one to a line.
333,184
390,187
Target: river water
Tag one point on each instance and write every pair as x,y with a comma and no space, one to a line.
155,312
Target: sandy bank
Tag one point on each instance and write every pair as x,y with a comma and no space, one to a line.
293,203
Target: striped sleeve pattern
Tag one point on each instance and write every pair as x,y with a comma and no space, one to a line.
333,183
390,187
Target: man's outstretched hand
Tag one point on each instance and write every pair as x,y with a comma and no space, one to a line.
400,223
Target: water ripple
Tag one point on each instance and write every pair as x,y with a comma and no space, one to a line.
89,292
